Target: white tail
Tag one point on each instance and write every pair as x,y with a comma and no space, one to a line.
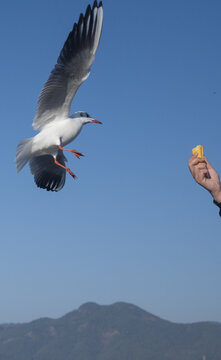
23,153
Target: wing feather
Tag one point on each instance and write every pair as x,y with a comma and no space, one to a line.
46,173
72,68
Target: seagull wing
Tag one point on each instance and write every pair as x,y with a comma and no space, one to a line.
72,68
46,173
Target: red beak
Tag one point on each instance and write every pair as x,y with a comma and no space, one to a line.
96,122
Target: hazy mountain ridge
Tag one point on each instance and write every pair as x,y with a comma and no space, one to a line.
116,332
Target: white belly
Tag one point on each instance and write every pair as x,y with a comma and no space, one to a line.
55,134
69,133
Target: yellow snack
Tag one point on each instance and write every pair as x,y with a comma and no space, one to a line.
199,150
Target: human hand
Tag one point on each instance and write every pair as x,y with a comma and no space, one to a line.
205,175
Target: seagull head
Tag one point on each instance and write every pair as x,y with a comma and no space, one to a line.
85,117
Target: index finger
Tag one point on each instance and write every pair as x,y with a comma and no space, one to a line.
195,160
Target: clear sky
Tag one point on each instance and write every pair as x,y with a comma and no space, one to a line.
134,226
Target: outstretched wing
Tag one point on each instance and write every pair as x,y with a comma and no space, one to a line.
46,173
72,68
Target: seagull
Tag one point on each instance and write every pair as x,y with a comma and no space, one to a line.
56,128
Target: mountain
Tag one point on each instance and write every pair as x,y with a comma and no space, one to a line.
116,332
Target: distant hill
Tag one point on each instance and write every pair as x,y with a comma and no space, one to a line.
117,332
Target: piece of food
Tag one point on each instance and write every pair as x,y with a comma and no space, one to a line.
199,150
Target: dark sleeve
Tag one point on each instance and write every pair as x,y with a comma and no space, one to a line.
219,206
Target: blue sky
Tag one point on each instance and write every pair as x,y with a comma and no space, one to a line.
134,226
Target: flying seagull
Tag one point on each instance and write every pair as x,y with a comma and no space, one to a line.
56,127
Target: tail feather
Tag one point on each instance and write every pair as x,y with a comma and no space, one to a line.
23,153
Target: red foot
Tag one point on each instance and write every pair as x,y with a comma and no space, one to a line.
76,153
71,173
64,167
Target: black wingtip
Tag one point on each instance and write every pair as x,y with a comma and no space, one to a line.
95,4
75,27
88,11
81,18
100,4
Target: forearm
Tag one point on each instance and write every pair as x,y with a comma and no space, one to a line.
216,195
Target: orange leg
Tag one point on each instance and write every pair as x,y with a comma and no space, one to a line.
64,167
76,153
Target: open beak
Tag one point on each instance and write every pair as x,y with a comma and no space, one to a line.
96,121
